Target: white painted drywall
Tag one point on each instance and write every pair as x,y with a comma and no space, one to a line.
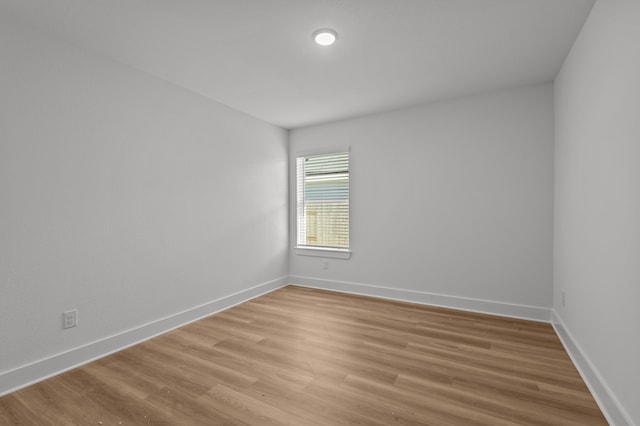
452,198
123,196
597,196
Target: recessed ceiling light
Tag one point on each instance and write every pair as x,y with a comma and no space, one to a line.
325,36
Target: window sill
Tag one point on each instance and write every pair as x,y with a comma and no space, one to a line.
323,252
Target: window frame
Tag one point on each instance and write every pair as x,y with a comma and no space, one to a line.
320,251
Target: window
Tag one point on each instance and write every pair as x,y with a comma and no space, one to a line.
323,201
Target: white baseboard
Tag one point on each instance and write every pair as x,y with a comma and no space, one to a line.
608,403
29,374
533,313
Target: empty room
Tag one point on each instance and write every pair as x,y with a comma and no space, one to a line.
330,212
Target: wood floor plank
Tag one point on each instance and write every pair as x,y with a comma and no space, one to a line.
301,356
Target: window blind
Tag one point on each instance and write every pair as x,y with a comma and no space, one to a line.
323,200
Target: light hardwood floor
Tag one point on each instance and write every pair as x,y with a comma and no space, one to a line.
300,356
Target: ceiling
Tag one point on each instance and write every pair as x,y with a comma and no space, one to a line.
257,56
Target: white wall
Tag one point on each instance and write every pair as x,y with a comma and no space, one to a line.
597,197
124,197
453,198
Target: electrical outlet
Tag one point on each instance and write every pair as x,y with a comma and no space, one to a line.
70,318
324,264
563,299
